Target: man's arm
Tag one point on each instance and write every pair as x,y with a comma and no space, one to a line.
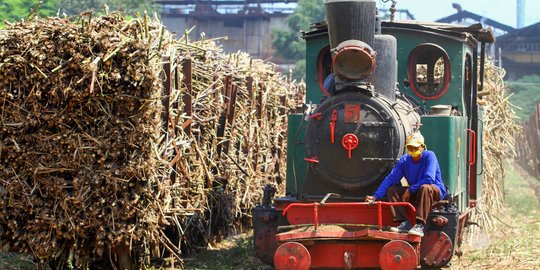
392,179
428,177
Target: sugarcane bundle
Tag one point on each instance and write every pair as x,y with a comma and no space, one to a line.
528,143
80,117
499,130
98,157
231,144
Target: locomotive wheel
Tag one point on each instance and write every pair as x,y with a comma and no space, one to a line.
398,255
292,256
435,249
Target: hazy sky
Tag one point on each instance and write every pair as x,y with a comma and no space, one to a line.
503,11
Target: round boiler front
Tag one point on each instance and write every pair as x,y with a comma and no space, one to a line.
373,126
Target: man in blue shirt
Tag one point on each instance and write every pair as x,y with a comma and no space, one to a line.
421,169
329,83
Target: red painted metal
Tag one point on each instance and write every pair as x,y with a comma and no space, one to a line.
472,165
472,203
357,244
280,205
325,255
398,255
292,256
472,146
462,220
316,215
346,255
436,249
349,142
316,116
320,78
346,213
314,159
379,215
352,113
333,126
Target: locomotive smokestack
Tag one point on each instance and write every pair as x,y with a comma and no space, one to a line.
351,19
351,30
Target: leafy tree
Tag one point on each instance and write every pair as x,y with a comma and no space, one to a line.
133,6
15,10
288,43
74,7
526,93
130,7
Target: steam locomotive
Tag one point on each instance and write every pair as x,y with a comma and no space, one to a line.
391,79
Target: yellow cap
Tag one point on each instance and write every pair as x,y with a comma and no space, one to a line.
415,139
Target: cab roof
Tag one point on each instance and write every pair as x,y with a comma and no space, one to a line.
474,31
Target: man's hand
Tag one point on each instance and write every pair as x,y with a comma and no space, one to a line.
370,199
405,197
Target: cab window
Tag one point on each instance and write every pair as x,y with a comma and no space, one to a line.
429,70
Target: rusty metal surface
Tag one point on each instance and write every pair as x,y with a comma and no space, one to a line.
265,223
363,234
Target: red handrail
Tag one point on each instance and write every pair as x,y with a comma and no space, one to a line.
472,146
316,205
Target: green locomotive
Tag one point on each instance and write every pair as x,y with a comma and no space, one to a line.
391,78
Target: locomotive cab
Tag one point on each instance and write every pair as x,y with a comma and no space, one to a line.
391,78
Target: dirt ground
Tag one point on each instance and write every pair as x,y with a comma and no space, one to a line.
516,245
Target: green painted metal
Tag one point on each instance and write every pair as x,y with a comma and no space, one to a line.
447,137
314,46
296,152
479,156
408,39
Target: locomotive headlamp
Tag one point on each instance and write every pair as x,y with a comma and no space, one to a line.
353,60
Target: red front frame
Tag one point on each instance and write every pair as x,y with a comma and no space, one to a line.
363,246
346,213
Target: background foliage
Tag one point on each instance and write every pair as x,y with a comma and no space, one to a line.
73,7
526,93
15,10
288,43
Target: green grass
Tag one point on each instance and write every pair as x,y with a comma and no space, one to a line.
236,253
516,244
522,192
15,261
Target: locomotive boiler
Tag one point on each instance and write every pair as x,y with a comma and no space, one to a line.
389,80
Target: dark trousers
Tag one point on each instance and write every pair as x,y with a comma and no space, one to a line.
422,200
